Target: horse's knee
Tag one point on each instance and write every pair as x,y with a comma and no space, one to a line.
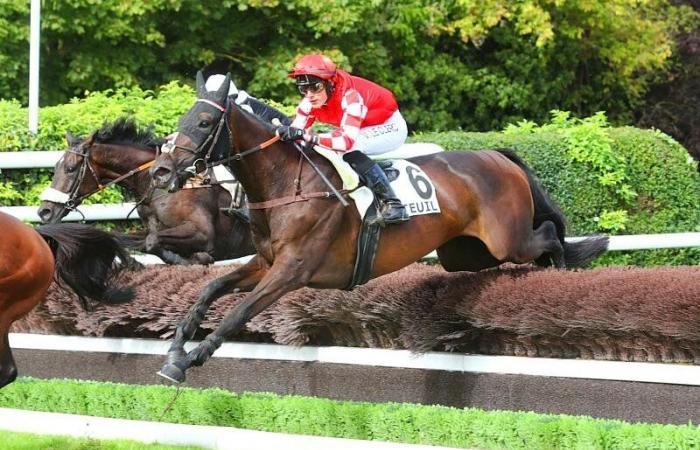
203,258
151,243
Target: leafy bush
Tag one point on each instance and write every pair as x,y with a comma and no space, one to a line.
457,64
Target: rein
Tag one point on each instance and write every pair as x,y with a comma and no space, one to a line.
241,155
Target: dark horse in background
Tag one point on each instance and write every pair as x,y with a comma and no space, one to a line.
493,211
185,227
80,257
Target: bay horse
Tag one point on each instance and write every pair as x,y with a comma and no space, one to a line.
493,211
185,227
79,256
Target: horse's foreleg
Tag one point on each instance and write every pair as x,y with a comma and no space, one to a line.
281,278
245,278
8,370
189,235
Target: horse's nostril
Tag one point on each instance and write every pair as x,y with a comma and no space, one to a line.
161,173
44,214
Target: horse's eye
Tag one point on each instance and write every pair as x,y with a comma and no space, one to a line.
204,124
70,169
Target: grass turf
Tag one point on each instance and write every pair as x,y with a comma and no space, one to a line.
408,423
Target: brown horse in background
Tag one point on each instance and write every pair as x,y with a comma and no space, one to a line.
80,256
185,227
493,211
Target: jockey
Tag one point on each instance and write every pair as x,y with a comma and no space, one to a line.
367,117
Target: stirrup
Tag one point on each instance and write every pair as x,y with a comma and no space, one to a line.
394,213
390,213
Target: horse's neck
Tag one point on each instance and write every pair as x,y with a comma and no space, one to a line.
268,173
115,160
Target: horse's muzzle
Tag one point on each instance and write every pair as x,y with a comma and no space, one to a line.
163,177
50,212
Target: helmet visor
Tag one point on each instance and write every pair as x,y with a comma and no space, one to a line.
309,83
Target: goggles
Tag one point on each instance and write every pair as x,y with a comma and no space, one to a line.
314,88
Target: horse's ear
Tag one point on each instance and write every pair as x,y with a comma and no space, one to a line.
71,139
222,92
201,89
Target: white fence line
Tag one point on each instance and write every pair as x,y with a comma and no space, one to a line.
119,212
666,373
35,159
29,159
116,211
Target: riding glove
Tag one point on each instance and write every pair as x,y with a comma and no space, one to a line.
287,133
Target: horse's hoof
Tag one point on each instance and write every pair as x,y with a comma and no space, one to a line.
172,373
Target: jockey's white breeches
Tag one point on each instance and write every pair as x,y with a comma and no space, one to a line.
382,138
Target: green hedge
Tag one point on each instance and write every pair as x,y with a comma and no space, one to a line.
408,423
609,180
28,441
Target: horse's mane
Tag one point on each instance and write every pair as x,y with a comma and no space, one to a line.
125,130
267,125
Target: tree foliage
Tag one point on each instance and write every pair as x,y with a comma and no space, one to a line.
453,64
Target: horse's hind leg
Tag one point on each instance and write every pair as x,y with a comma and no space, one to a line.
244,278
543,245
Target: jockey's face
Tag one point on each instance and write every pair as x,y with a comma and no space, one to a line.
317,99
314,89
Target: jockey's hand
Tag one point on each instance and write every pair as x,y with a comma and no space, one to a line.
311,138
287,133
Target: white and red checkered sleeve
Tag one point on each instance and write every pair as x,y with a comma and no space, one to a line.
354,112
303,118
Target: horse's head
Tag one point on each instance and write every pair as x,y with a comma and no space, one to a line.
74,178
202,135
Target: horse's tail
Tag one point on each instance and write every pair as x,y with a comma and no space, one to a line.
576,254
85,261
134,241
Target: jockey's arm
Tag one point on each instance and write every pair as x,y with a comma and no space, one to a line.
343,138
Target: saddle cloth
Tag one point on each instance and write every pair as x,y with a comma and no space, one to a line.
412,186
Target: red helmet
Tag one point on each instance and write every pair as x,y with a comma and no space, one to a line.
317,65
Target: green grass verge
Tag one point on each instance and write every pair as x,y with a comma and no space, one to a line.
436,425
28,441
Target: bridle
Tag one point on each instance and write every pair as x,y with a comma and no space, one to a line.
72,199
211,141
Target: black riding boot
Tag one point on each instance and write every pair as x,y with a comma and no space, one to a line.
392,210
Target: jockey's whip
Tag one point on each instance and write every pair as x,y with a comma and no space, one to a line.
323,177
